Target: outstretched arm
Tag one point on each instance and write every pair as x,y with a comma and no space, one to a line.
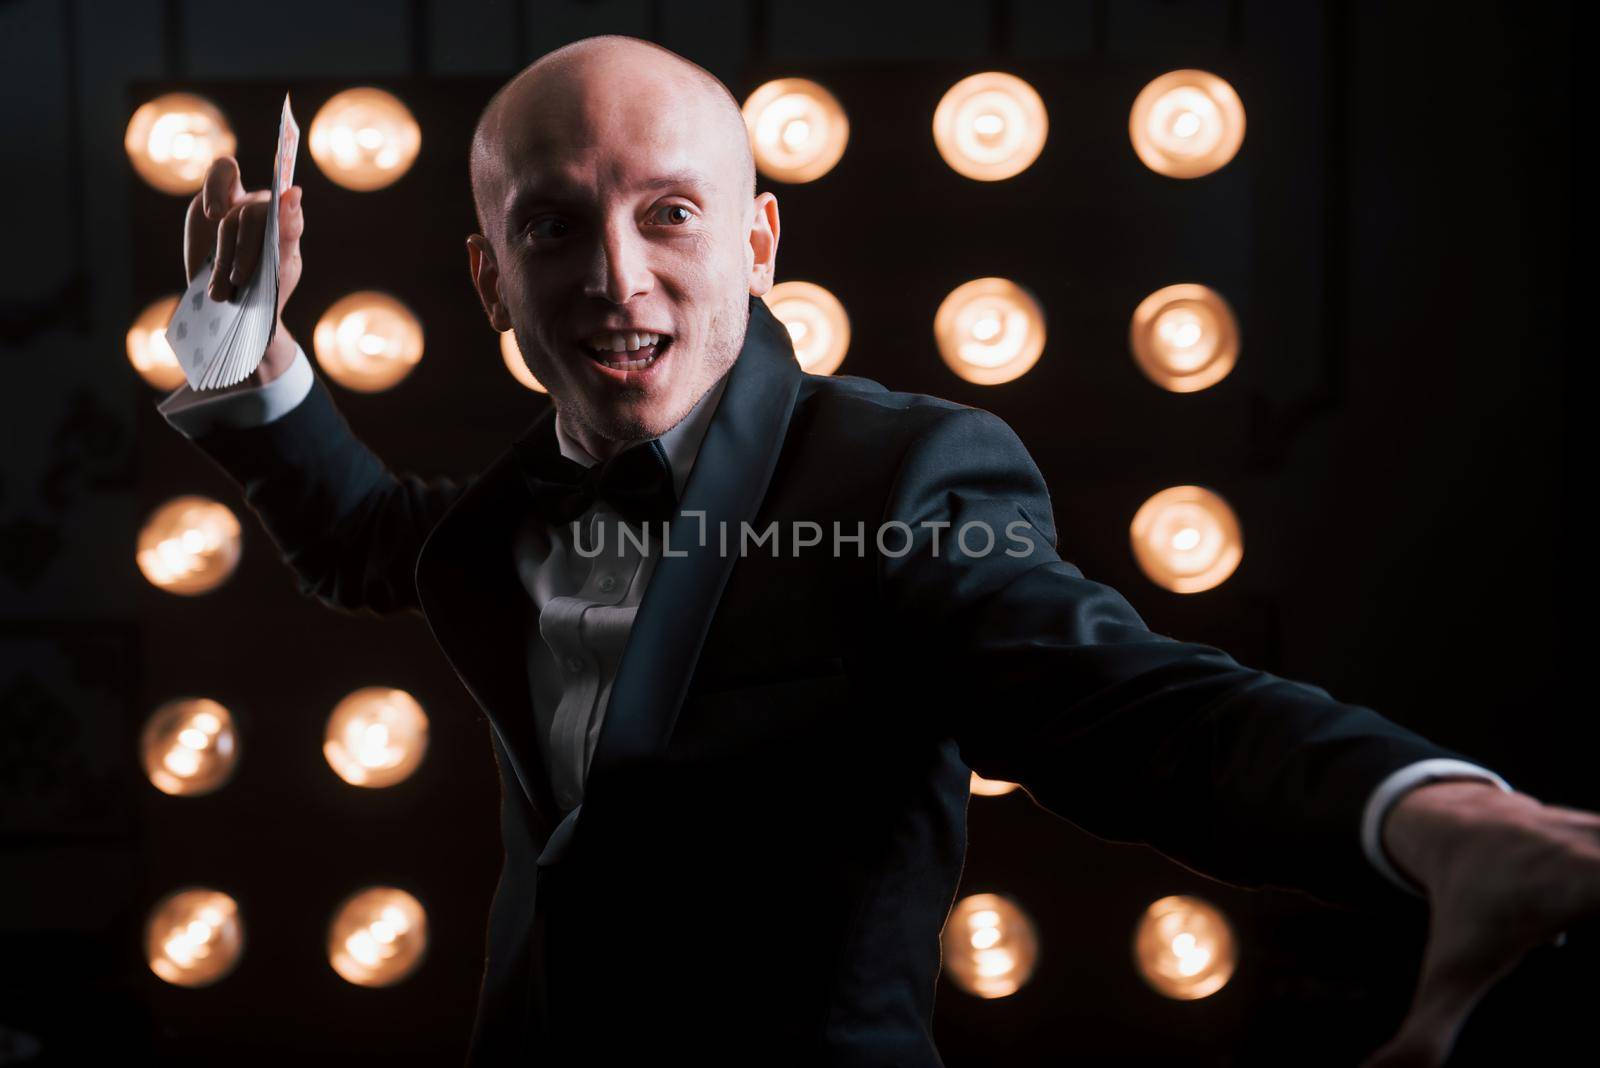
1053,681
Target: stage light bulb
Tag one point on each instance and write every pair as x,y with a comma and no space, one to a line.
797,129
190,545
194,937
172,140
1186,124
364,139
1184,948
1186,539
990,126
982,787
368,341
516,364
989,331
376,737
1184,337
148,350
378,936
990,946
818,327
189,747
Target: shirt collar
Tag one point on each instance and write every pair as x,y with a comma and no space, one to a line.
681,443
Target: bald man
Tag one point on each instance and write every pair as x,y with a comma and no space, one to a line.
734,810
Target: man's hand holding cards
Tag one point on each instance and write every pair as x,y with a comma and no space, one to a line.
242,257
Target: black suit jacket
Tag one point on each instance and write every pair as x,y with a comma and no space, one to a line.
774,826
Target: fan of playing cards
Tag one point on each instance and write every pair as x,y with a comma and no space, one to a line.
221,342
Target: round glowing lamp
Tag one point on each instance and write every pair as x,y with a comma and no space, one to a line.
148,350
818,327
990,126
190,545
990,946
189,747
1184,337
378,936
989,331
368,341
1186,539
376,737
1184,948
194,937
172,139
1186,124
512,355
797,129
364,139
982,787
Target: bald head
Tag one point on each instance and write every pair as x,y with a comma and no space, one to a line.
558,102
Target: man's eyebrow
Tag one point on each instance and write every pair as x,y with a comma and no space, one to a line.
557,190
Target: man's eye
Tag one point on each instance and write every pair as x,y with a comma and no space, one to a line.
533,227
688,214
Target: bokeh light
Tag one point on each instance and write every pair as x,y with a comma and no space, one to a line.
148,349
1186,124
378,936
989,331
990,126
364,139
194,937
189,747
982,787
172,139
368,341
990,946
798,130
1184,337
376,737
1186,539
190,545
818,327
512,355
1184,948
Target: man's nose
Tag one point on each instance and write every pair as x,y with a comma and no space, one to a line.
619,268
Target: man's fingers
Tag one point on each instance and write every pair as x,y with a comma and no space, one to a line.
221,189
1453,981
199,238
252,233
291,217
222,268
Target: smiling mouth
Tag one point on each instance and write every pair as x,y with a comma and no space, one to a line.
630,360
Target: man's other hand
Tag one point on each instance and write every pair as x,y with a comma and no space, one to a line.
1504,874
230,224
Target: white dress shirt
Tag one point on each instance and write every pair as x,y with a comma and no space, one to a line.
587,605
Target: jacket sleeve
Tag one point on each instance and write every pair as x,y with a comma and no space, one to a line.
1050,680
349,528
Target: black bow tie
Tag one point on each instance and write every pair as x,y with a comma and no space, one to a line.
637,482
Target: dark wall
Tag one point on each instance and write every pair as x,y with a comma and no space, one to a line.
1395,235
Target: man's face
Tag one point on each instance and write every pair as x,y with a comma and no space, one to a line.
622,210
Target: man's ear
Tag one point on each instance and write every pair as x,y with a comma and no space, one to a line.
763,244
486,280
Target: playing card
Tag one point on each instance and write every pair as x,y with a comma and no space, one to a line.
220,343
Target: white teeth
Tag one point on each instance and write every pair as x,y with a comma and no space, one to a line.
618,342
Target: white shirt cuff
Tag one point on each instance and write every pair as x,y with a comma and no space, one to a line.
241,404
1392,788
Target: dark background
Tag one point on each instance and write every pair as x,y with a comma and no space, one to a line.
1395,236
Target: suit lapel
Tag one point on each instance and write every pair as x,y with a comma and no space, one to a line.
481,615
727,484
